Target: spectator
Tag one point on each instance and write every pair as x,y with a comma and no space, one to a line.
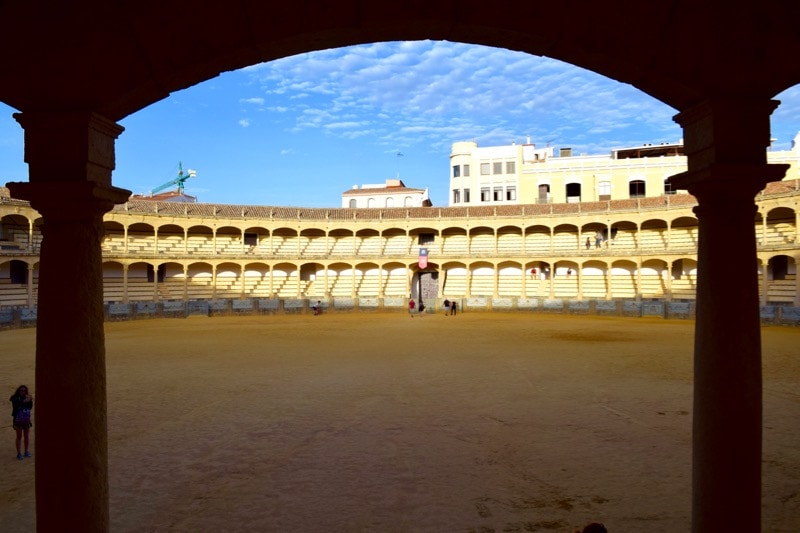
21,406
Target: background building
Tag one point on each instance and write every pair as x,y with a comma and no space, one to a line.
524,174
393,193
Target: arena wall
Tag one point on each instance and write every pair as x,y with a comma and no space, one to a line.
635,257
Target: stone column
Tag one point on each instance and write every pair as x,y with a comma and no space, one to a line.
155,282
29,279
669,280
185,283
125,283
299,292
70,157
638,294
31,248
213,276
380,281
725,143
524,242
797,226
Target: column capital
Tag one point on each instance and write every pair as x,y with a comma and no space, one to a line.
728,182
726,130
69,201
69,146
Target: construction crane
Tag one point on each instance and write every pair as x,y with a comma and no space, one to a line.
182,177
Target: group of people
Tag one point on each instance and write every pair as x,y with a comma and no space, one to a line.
21,407
450,308
412,306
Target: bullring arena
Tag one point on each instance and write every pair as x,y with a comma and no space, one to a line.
161,255
521,413
374,422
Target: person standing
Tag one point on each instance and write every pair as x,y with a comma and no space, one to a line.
21,407
411,305
446,307
598,239
453,308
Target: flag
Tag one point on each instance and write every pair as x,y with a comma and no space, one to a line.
423,258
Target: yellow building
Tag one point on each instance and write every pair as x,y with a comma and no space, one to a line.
525,174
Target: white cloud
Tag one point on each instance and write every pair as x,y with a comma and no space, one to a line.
438,92
256,101
244,122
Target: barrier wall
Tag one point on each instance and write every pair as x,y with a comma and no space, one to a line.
770,315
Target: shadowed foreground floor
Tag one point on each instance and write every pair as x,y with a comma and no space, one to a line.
381,423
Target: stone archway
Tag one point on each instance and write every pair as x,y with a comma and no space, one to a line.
93,64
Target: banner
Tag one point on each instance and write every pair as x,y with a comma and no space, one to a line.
423,258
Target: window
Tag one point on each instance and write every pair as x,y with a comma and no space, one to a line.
668,188
604,190
371,202
511,194
466,196
485,191
456,196
389,202
407,202
456,171
353,203
511,167
466,171
498,194
484,169
573,192
497,168
544,193
636,189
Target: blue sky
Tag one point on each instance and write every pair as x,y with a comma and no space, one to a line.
301,130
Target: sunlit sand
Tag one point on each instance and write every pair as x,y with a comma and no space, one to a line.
381,423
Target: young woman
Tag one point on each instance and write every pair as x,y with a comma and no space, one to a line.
22,404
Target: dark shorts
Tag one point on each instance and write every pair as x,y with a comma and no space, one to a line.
23,425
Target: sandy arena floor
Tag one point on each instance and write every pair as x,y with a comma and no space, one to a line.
380,423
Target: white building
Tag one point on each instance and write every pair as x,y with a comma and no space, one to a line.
393,193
